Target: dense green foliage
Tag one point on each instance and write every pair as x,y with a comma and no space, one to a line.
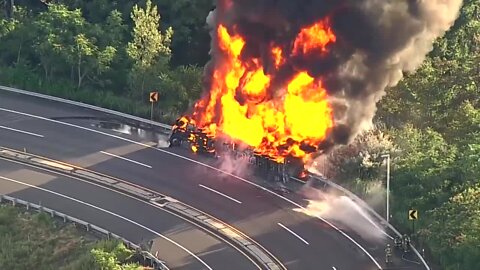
107,53
432,119
36,241
111,53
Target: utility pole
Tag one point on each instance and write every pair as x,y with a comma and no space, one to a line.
388,186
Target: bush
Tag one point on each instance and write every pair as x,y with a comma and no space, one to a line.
23,78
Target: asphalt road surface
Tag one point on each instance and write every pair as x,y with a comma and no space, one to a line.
76,136
133,219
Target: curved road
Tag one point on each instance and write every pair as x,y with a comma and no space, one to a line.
131,218
71,134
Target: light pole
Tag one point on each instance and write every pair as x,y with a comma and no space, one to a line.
388,185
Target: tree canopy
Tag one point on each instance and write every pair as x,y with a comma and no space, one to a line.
432,120
111,53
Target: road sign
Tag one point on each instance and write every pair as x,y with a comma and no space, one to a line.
412,214
153,97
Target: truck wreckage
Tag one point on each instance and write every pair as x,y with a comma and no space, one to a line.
186,134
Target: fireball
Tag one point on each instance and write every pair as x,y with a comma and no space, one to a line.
291,77
241,105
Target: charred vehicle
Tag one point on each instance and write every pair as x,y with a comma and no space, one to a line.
186,134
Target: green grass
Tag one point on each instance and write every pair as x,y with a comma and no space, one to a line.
36,241
23,78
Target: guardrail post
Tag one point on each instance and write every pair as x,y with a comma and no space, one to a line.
153,261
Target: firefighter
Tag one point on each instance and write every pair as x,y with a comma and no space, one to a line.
406,243
398,242
388,254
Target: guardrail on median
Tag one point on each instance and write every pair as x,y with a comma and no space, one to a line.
154,262
163,127
202,219
167,128
364,205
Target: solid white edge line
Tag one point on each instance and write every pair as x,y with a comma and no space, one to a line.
22,131
152,204
293,233
333,267
220,193
126,159
108,212
207,166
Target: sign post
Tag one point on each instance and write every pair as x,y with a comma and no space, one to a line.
153,99
413,215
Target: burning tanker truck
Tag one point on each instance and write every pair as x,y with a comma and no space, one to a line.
185,132
290,80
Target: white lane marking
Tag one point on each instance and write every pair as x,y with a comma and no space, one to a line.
333,267
207,166
220,193
152,204
22,131
292,232
357,207
126,159
111,213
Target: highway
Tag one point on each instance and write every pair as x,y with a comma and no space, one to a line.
129,217
73,135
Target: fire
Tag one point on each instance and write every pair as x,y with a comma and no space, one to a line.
241,106
277,56
315,37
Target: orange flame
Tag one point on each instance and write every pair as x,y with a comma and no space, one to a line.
273,126
315,37
194,148
277,56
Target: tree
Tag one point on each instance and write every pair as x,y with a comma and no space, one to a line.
424,173
454,231
112,255
179,88
15,33
150,48
191,42
463,39
362,158
68,39
448,79
56,30
89,58
114,30
434,118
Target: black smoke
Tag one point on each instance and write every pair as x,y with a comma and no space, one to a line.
377,42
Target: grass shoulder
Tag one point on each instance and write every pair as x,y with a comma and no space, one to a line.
36,241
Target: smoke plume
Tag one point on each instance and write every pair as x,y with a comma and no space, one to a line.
377,41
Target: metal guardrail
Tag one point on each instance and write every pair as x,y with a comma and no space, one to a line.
167,128
210,223
154,262
364,205
163,127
